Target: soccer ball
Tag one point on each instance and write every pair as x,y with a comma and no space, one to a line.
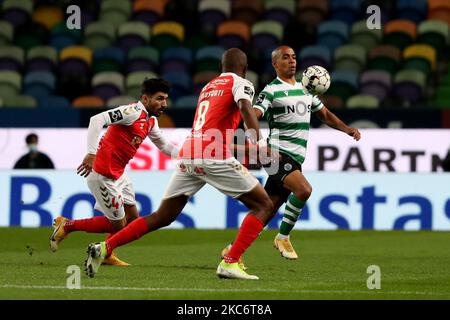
316,80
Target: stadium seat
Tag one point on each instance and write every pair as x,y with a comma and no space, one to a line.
332,101
442,98
332,34
233,34
343,84
108,59
54,102
367,38
6,33
187,102
409,86
181,83
167,34
415,11
133,82
266,34
176,59
314,55
347,11
120,101
148,11
115,12
350,57
62,37
1,103
247,11
420,57
400,33
376,83
20,101
212,13
142,59
281,11
385,57
252,76
439,10
133,34
73,72
10,83
208,58
41,58
99,35
11,58
39,83
29,35
17,12
202,78
362,101
107,85
435,33
48,16
76,52
88,102
312,12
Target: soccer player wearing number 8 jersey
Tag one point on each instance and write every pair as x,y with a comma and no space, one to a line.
205,158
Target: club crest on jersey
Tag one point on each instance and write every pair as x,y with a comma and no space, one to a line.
136,141
286,93
249,91
115,115
261,98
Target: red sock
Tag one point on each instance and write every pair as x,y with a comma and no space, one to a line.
131,232
92,225
248,232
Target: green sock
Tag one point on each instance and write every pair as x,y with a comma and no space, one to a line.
292,211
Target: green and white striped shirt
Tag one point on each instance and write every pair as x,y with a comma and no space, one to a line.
288,110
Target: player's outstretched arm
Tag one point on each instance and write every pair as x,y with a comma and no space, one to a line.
250,119
330,119
166,147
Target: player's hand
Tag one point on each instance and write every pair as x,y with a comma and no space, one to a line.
85,168
267,155
353,132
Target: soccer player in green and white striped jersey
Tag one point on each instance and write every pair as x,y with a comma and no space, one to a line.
287,107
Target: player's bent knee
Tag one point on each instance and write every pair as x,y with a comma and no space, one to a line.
303,194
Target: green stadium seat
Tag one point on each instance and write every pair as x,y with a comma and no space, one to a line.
112,78
133,34
442,98
385,57
436,34
133,82
350,57
45,52
332,101
363,101
115,12
120,101
367,38
167,34
13,54
6,33
99,35
20,101
312,12
400,33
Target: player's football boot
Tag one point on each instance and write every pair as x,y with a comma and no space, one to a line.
96,253
59,234
113,260
225,252
233,271
285,248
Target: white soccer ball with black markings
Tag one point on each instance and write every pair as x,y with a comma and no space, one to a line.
316,80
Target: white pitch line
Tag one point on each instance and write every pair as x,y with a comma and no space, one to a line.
13,286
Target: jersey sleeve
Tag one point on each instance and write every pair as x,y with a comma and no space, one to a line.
243,89
316,104
157,137
264,101
124,115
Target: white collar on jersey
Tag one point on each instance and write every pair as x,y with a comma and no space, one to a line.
292,85
141,106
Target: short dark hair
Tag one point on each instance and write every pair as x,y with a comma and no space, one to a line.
30,137
153,85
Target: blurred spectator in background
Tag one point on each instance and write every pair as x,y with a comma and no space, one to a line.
34,159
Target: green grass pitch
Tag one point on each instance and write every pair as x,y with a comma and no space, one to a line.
181,264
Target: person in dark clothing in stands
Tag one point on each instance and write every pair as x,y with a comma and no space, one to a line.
34,159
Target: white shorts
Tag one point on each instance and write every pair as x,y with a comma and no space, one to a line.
110,195
228,176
